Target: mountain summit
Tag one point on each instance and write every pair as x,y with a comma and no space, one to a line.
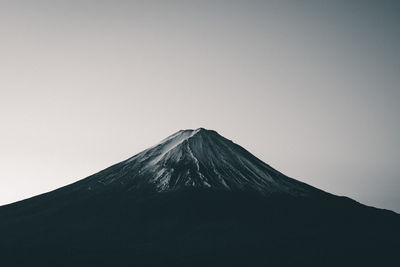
198,158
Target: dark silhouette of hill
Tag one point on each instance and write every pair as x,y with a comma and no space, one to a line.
195,199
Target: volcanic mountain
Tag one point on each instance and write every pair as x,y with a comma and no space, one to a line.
196,158
195,199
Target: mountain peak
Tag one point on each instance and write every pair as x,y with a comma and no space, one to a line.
183,134
189,133
178,139
198,158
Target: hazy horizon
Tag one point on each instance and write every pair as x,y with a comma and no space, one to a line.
309,87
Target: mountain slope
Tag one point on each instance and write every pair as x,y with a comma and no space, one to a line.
195,158
195,199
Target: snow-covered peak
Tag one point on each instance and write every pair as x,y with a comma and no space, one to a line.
200,158
168,144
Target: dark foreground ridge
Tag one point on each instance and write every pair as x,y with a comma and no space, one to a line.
195,199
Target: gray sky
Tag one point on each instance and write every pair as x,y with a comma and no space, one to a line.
310,87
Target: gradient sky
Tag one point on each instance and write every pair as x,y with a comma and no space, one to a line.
310,87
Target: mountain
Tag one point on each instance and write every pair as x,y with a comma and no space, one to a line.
196,158
195,199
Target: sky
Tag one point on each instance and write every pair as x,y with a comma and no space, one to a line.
309,87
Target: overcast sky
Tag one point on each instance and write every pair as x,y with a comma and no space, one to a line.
309,87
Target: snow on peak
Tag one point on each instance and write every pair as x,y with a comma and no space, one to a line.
201,158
